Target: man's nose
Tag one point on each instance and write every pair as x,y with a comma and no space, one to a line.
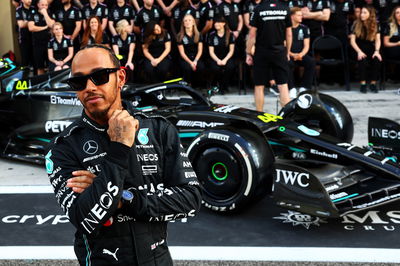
90,85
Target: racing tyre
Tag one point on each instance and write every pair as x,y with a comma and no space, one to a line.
322,113
234,166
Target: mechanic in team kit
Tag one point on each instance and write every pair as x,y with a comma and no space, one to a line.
119,175
270,27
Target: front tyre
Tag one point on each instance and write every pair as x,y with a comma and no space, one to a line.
234,167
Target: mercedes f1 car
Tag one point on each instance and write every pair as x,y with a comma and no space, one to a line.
238,154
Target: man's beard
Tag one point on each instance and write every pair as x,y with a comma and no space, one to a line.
101,115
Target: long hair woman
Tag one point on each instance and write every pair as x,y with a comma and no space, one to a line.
391,39
366,42
190,46
221,45
94,33
59,49
156,49
123,45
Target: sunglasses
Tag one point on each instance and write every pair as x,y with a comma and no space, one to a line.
98,77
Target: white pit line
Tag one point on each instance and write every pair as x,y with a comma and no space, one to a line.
224,253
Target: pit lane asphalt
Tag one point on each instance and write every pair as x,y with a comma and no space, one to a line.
384,104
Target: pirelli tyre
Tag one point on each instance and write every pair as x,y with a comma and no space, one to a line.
322,113
234,166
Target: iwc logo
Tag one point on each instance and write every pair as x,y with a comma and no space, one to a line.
297,218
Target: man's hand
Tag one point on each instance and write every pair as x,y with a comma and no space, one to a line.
80,181
122,127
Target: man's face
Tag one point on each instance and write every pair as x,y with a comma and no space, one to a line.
297,17
149,2
42,4
27,2
99,101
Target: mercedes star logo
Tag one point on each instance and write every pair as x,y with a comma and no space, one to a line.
90,147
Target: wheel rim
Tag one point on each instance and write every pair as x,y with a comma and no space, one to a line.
219,172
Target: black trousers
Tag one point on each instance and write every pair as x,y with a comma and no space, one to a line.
26,47
158,73
187,72
308,63
368,68
222,74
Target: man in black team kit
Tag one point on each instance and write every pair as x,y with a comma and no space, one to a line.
119,175
25,36
271,23
299,52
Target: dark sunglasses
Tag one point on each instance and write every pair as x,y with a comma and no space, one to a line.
98,77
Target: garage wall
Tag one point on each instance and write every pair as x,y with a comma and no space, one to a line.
7,28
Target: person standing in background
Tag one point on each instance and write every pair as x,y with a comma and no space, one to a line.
24,35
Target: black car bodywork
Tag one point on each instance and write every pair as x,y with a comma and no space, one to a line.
239,154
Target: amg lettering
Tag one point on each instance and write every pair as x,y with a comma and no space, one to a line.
201,124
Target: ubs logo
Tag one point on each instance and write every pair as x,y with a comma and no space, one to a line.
90,147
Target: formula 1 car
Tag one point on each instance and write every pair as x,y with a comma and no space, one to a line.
238,154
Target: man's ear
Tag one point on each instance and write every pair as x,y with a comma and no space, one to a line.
121,78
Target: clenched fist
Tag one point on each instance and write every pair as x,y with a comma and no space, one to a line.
122,127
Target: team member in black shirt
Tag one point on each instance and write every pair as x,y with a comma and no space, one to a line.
391,39
338,23
271,24
119,12
314,13
366,42
221,46
94,34
156,48
24,36
206,16
299,51
123,45
232,14
148,13
71,19
94,8
179,12
190,46
40,21
59,49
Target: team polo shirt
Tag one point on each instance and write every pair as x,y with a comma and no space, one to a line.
189,46
100,10
207,13
145,15
314,6
219,44
231,12
157,46
68,18
22,13
60,49
271,20
119,13
123,45
299,34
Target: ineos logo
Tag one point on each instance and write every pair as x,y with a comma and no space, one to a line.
90,147
304,101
